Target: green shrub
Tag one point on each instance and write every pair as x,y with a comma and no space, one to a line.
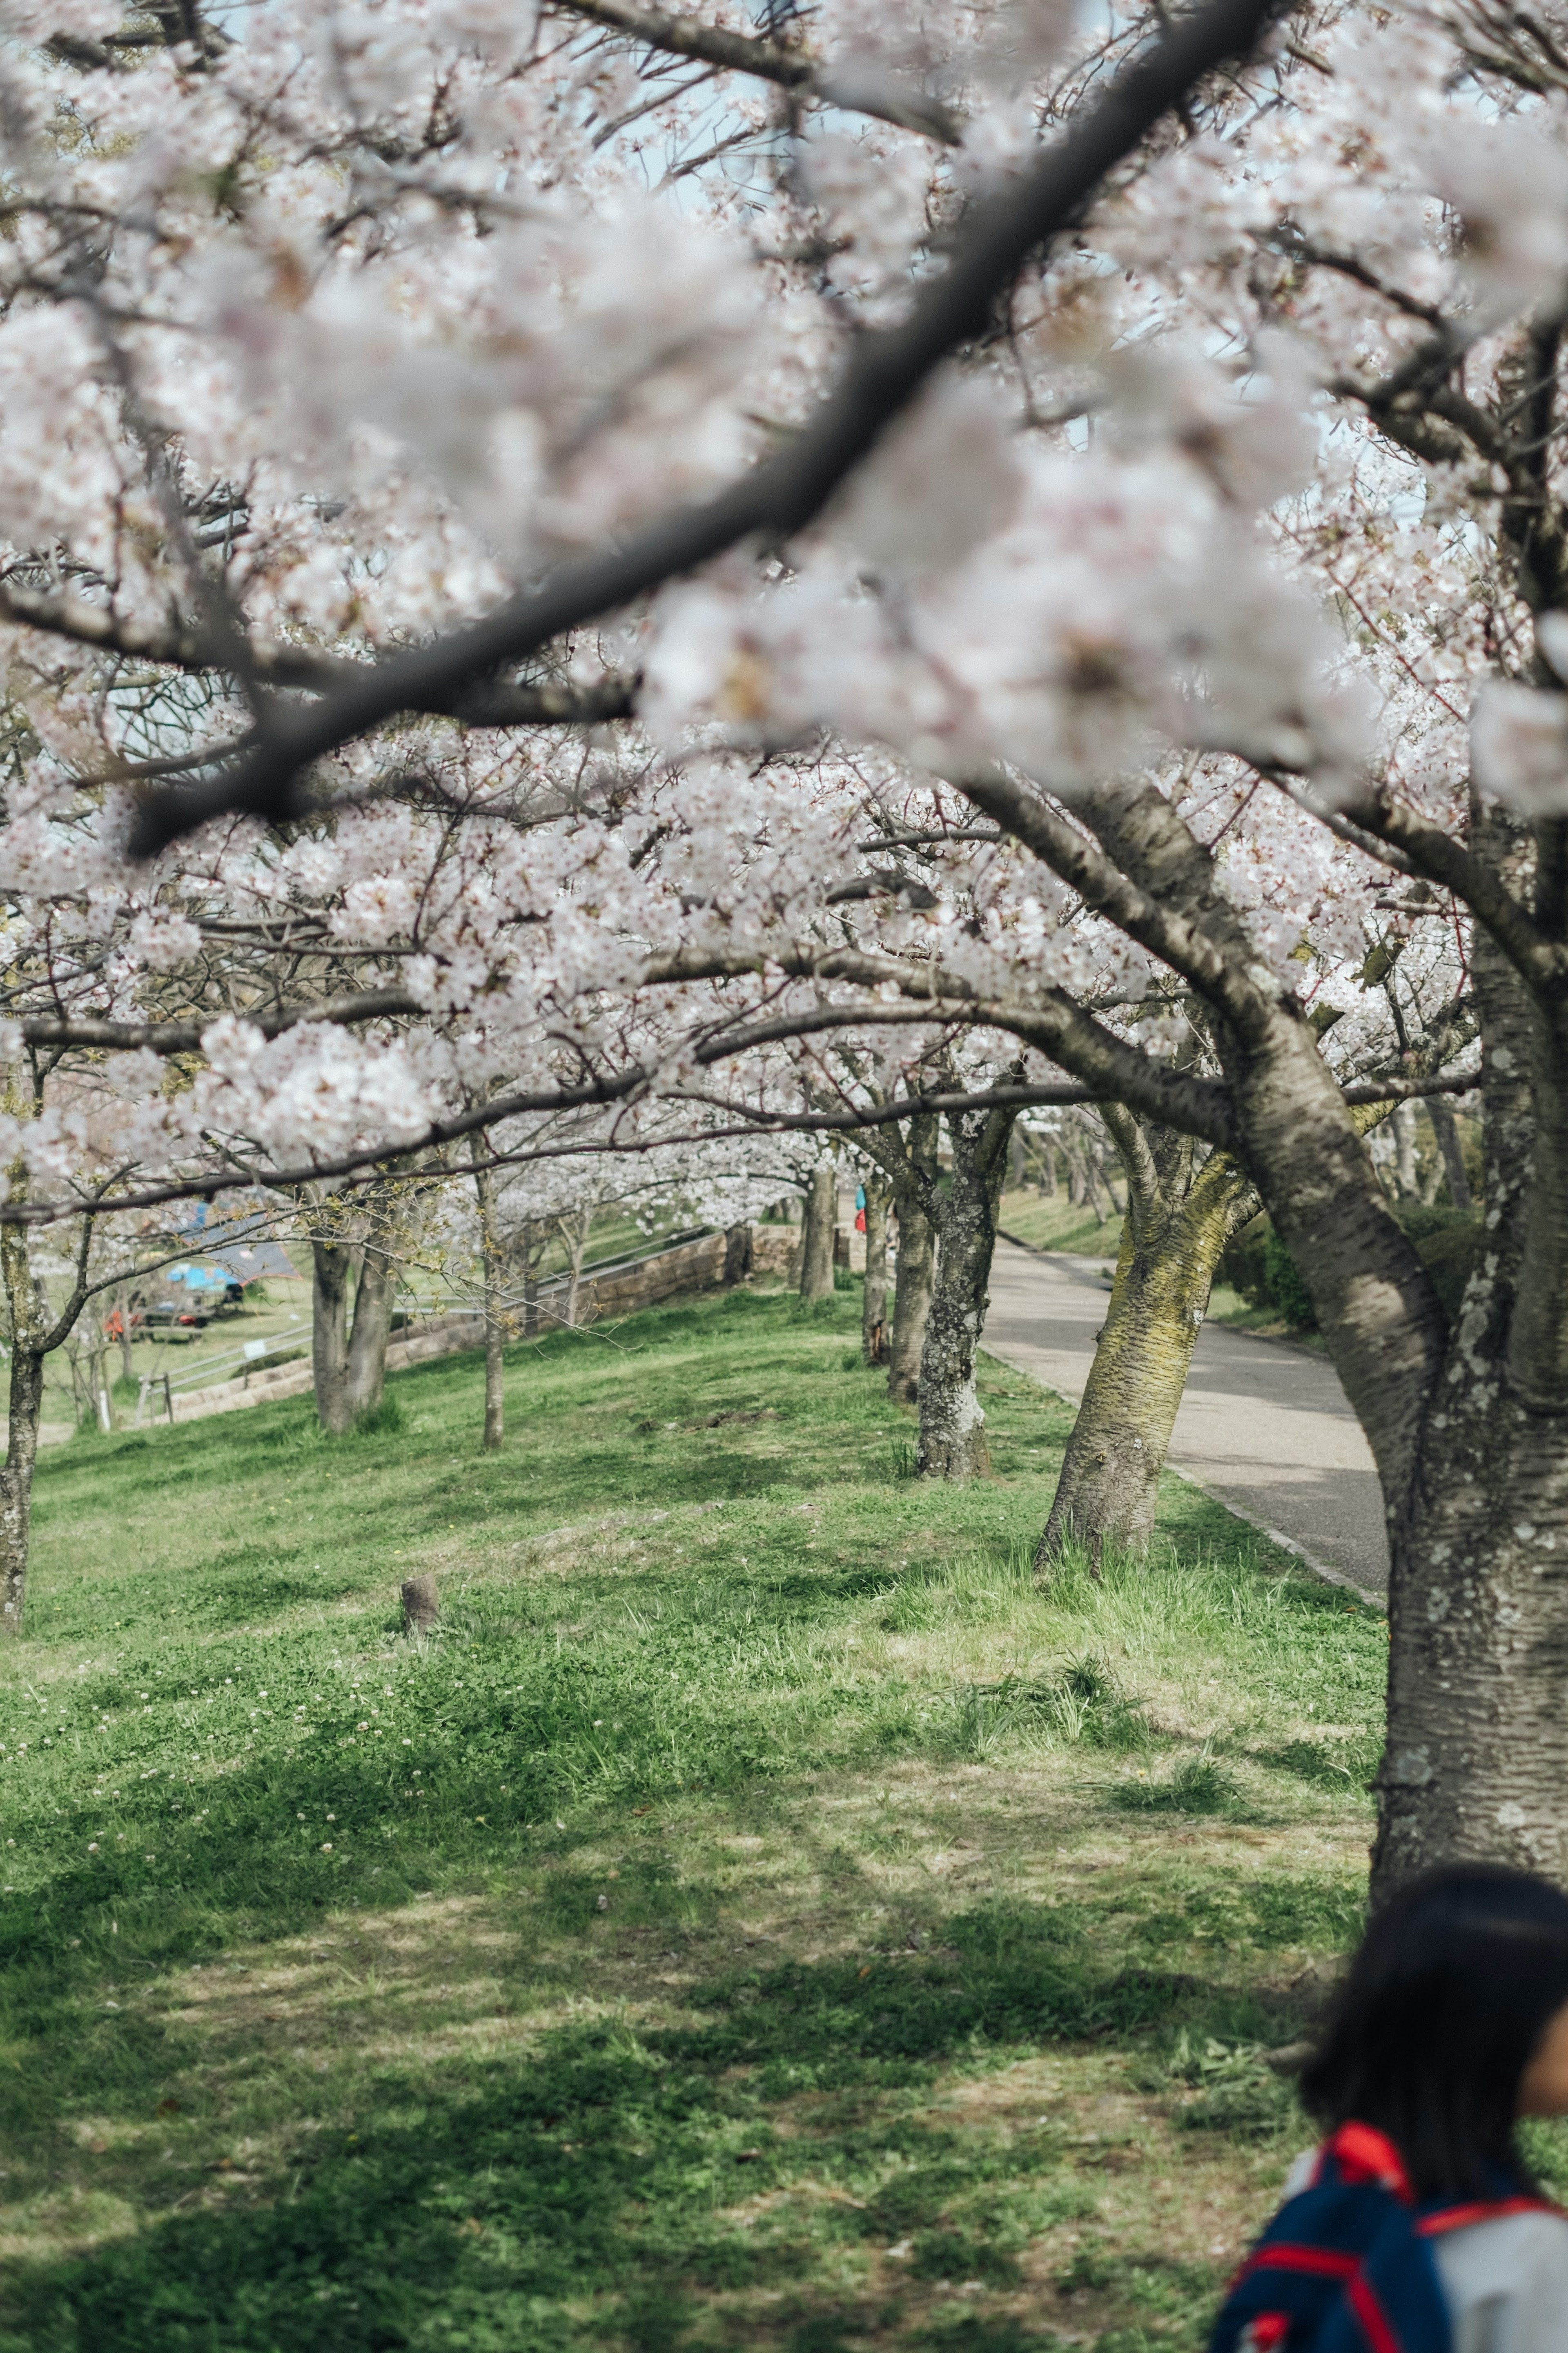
1287,1291
1451,1253
1242,1263
382,1420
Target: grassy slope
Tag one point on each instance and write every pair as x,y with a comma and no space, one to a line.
1051,1222
760,1917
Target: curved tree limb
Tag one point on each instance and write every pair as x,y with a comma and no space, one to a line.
777,498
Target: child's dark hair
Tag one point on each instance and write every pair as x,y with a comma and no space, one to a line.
1460,1975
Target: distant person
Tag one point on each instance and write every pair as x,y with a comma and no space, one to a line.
1418,2227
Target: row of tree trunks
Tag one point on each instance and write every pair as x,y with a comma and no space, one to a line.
947,1237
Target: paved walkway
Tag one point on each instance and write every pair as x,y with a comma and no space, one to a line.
1265,1426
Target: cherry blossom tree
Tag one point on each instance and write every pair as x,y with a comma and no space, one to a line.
513,553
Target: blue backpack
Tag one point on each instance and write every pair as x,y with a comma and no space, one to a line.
1347,2266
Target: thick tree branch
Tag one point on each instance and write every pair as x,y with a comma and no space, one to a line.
1161,922
778,497
1433,853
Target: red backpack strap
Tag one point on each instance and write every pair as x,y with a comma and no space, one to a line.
1363,2154
1483,2210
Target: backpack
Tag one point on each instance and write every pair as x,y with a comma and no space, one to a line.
1347,2265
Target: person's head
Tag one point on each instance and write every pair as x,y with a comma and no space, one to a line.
1452,2023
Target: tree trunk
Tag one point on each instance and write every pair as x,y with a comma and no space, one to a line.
373,1302
532,1251
1477,1760
27,1397
914,1276
1407,1181
330,1264
1446,1128
816,1251
952,1426
1109,1486
1047,1169
574,1234
350,1366
738,1255
874,1307
491,1277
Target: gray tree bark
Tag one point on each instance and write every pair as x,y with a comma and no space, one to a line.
349,1362
1446,1128
953,1443
960,1219
909,1163
573,1229
33,1334
874,1339
817,1250
491,1267
26,1396
534,1234
331,1267
375,1295
1407,1178
1477,1760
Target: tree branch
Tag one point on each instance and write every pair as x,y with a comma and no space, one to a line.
495,702
885,370
185,1037
767,60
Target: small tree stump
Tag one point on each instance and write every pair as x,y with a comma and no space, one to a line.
420,1608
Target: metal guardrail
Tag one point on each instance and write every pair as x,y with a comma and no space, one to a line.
441,1301
211,1369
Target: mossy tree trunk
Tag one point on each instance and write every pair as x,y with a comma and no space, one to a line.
1179,1218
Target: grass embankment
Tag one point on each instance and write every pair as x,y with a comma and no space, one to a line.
759,1918
1049,1221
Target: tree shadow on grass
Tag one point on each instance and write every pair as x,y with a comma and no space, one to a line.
585,2185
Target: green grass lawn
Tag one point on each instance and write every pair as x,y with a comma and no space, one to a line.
760,1917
